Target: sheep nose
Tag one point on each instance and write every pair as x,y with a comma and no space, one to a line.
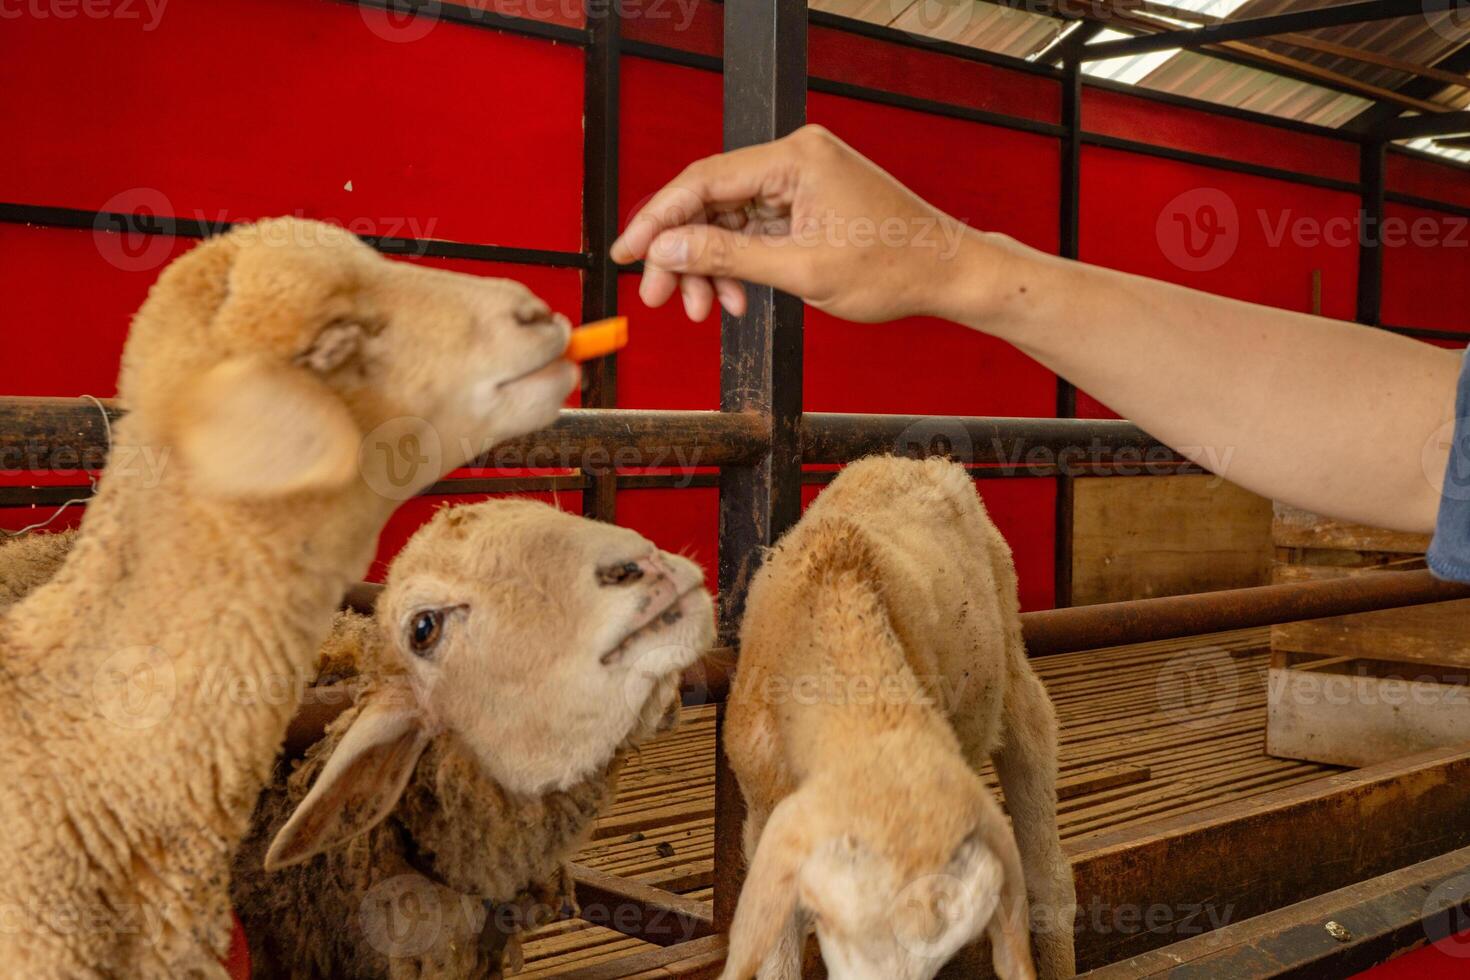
533,313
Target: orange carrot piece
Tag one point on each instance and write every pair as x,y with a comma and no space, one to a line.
599,339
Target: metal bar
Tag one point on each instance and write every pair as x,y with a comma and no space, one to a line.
1217,163
1379,918
933,107
1412,127
1370,239
600,227
1012,443
1142,620
468,16
1456,62
1070,246
153,224
52,496
891,35
1311,19
1428,204
67,435
765,87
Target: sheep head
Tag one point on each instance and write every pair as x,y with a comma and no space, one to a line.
289,356
543,642
884,908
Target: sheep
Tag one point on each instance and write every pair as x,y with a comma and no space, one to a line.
30,560
517,651
881,662
285,386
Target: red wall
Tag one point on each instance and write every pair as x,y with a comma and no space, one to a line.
242,108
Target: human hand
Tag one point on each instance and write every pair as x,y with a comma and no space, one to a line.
808,215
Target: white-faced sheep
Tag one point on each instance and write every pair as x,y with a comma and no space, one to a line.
516,650
881,661
294,384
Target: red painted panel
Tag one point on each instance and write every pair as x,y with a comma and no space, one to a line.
927,74
683,521
1246,237
413,514
567,13
283,103
1405,174
1426,269
1149,121
669,362
995,179
671,117
689,25
69,295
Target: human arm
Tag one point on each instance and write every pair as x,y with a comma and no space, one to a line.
1337,418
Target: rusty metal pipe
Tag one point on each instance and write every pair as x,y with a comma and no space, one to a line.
1141,620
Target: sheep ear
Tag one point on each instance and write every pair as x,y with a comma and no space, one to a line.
252,428
361,782
1010,940
768,900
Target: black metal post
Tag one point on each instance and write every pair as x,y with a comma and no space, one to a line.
1370,234
600,227
760,366
1069,246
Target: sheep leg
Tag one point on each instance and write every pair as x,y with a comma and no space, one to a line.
1026,762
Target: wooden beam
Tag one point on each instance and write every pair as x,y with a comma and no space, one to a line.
1411,127
1308,19
1374,921
699,959
1144,887
638,910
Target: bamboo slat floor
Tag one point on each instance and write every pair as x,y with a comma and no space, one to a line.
1149,730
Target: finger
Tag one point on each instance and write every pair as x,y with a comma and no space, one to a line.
657,285
708,250
699,297
714,182
731,294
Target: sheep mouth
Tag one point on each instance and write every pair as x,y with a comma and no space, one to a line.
544,367
670,615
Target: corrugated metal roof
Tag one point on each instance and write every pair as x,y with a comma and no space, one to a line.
1422,40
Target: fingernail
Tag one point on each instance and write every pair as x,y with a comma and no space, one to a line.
729,294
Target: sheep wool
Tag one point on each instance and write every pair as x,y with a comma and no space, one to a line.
881,664
439,889
146,687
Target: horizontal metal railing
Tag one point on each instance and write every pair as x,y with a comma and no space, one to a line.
65,435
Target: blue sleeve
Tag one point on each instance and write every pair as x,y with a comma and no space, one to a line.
1449,552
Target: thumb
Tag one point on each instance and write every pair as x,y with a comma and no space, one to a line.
709,250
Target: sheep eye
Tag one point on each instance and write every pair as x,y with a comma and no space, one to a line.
621,574
424,631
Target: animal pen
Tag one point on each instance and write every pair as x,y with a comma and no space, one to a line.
1190,847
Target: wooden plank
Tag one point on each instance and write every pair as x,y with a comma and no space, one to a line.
643,912
1438,633
1375,920
694,960
1336,715
1166,536
1292,527
1143,887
